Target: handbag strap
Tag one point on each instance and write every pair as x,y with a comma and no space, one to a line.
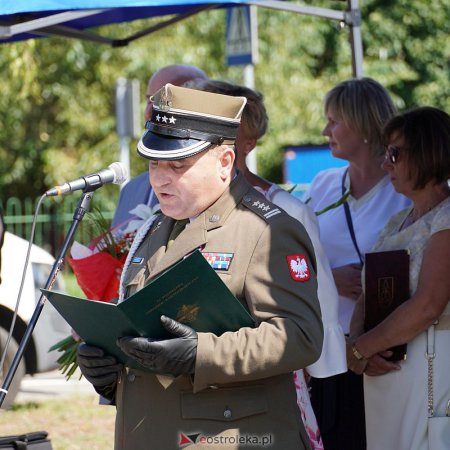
348,217
430,355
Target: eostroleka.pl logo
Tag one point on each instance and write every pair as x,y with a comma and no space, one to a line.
249,440
186,439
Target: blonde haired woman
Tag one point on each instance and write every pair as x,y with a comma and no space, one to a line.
355,111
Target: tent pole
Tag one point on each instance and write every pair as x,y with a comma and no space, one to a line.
353,19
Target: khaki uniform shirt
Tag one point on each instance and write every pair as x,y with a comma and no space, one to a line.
242,393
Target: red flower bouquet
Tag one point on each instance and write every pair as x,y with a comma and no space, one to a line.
97,268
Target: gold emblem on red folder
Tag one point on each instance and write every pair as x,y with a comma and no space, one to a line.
385,291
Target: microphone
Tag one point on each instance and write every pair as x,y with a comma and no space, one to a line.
115,173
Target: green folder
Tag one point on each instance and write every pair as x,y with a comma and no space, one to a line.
189,291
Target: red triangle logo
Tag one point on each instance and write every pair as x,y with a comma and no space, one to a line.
184,440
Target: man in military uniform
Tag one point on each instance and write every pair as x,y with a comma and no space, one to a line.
207,391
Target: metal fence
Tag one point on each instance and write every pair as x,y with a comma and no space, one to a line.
56,215
52,221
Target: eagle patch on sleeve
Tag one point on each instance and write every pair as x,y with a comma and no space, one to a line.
298,267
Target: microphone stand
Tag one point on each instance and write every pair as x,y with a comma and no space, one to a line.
80,210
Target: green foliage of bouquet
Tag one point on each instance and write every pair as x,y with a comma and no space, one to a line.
67,362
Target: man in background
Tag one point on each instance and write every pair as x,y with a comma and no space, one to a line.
137,190
254,124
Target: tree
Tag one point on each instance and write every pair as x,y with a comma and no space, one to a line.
57,102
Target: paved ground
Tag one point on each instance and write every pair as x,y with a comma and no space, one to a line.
50,385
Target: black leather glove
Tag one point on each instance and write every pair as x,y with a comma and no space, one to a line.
100,370
171,356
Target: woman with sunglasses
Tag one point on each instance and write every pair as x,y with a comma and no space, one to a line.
356,111
396,393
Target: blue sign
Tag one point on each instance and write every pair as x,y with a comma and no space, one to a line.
302,162
241,39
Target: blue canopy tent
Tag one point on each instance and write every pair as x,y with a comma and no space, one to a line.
25,19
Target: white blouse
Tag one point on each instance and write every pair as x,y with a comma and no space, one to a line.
369,215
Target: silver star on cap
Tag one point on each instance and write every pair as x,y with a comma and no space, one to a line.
172,120
158,118
164,119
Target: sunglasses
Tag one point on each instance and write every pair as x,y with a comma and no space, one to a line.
392,153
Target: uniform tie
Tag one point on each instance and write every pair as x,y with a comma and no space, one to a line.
176,230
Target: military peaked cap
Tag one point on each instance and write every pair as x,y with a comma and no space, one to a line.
185,122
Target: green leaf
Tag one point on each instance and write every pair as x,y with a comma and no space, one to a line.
341,201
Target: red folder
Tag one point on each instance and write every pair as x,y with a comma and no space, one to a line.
386,287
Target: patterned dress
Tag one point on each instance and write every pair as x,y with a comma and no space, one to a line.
308,417
396,403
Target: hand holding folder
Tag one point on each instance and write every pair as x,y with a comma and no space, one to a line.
190,292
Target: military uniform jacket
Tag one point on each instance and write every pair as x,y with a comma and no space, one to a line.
242,391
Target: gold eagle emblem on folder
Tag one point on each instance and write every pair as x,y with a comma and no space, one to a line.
187,313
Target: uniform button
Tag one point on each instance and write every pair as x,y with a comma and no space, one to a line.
227,414
131,377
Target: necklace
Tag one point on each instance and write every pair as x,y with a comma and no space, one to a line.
410,219
415,214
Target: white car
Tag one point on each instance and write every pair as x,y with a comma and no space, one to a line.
50,328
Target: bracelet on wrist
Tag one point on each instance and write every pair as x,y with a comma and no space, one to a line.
359,356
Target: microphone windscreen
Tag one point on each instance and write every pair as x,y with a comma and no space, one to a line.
120,172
